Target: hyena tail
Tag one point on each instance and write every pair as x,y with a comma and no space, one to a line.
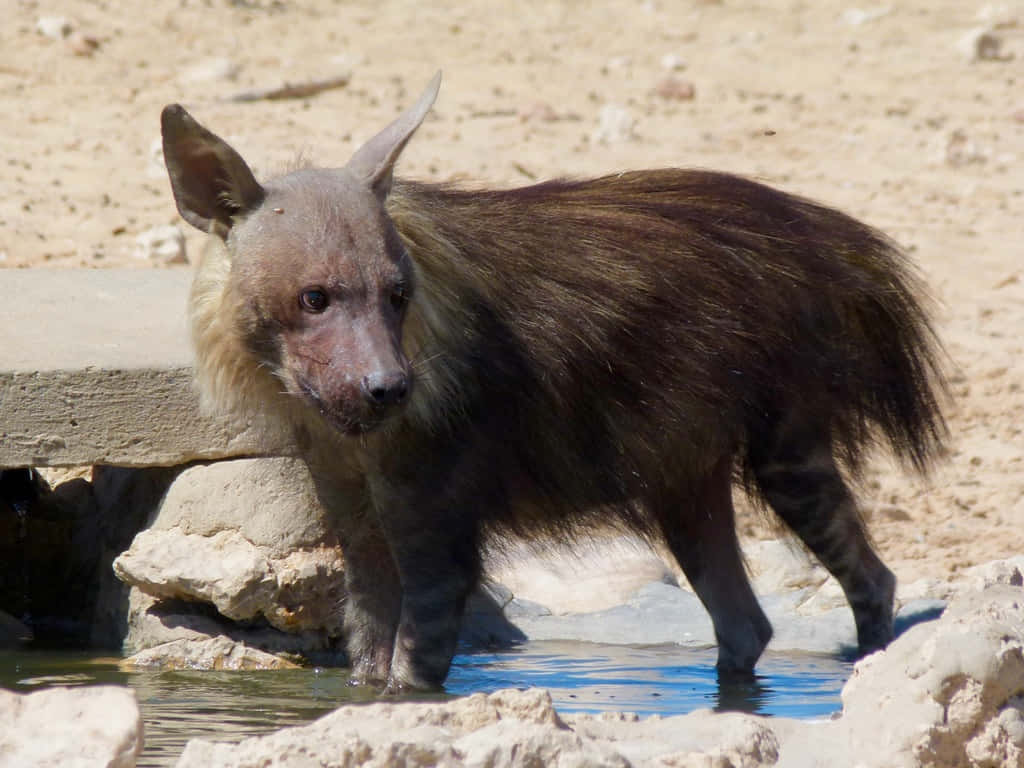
897,366
874,371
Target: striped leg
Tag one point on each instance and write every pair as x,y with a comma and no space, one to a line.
700,530
800,480
374,592
372,608
439,569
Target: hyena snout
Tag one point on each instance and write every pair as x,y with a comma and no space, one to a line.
382,389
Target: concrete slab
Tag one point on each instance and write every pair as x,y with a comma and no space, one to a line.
96,368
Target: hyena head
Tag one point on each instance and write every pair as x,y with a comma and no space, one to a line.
320,274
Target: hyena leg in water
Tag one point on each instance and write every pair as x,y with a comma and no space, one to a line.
373,605
373,590
699,529
437,555
439,569
798,476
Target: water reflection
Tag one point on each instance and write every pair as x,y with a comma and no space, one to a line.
582,677
663,680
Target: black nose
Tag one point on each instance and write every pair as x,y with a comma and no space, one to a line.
385,387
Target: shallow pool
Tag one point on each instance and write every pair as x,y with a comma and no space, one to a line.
582,677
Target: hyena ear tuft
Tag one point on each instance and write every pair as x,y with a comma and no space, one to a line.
210,180
374,162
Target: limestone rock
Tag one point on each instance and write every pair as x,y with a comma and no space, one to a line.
157,623
945,693
54,27
164,245
507,728
213,653
582,577
615,125
248,537
272,503
301,591
70,728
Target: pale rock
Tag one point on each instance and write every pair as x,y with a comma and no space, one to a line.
512,729
855,17
924,589
585,576
673,62
301,591
208,70
164,244
152,623
1009,572
703,738
781,565
513,743
982,44
54,27
272,503
829,596
224,569
346,64
386,734
81,727
215,653
615,124
250,538
944,689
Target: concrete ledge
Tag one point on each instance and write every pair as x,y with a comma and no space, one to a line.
96,368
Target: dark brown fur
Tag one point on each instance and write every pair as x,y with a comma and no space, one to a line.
549,359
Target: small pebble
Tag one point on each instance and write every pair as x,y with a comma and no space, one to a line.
54,27
164,245
673,62
857,16
981,44
615,125
674,89
220,68
83,45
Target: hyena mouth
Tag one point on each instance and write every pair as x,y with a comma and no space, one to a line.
343,423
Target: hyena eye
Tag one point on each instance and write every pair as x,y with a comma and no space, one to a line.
313,300
399,297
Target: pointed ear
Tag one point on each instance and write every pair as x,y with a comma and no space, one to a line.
211,182
375,160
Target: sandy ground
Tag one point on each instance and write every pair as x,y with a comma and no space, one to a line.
883,110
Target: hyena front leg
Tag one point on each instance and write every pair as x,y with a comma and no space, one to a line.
439,568
373,606
797,474
373,590
437,556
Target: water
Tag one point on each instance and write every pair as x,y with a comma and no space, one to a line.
582,677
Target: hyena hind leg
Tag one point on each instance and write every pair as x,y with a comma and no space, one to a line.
798,476
700,530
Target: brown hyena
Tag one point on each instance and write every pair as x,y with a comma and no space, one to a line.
553,359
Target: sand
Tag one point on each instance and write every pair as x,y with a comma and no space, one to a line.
903,114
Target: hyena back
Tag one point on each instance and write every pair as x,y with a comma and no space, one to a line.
548,360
